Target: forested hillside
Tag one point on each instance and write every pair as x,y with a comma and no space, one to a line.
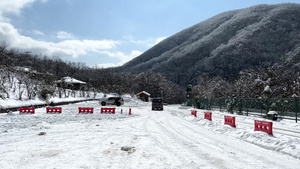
37,75
226,45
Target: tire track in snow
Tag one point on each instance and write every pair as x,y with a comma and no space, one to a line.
182,149
165,144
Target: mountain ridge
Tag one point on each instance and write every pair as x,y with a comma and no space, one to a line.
224,44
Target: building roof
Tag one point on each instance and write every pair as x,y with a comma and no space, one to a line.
146,93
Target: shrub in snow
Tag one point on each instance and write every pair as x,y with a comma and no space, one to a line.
129,149
42,133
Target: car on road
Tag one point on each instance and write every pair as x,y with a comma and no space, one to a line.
112,101
157,104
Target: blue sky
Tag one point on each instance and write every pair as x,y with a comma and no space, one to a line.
103,33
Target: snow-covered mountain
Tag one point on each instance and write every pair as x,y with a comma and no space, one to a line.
225,44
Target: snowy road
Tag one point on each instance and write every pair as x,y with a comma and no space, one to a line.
158,139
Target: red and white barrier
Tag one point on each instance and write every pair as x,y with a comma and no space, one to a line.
207,115
229,120
108,110
194,113
86,109
263,126
27,110
129,112
53,110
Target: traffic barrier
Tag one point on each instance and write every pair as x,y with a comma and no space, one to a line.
229,120
207,115
194,113
53,110
108,110
27,110
86,109
263,126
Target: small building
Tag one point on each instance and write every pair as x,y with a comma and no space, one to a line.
70,83
143,96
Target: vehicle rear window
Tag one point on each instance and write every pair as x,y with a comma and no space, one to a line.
157,100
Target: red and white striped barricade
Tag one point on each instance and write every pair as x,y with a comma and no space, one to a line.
129,112
53,110
30,110
229,120
207,115
86,109
108,110
263,126
194,113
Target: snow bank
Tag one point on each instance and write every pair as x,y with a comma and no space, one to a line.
245,131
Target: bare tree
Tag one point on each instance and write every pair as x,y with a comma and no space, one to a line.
20,86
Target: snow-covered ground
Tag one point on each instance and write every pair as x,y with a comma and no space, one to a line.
146,139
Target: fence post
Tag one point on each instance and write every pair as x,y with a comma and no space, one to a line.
220,104
268,105
296,101
240,105
247,106
261,106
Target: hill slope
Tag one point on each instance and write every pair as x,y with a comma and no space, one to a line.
225,44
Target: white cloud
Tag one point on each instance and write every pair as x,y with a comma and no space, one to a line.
131,39
121,56
12,7
105,65
156,41
159,40
36,32
64,35
148,42
66,48
69,45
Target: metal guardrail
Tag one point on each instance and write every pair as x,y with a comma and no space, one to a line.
287,108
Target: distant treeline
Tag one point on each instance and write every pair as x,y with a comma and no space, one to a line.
104,80
281,80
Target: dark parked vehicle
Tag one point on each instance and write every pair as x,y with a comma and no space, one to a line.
157,104
112,101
